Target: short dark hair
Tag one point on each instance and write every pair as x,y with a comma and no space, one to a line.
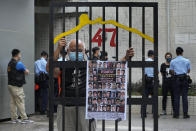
168,53
150,53
95,49
179,50
43,53
15,52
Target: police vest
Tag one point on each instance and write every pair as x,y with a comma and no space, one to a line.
15,77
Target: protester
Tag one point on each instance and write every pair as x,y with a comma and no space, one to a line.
166,83
16,79
70,88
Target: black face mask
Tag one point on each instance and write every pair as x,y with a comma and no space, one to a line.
168,60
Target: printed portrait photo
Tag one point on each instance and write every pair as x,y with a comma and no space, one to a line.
99,108
94,64
108,108
94,94
90,93
90,64
113,108
104,108
118,65
122,72
118,72
123,65
103,85
108,94
99,101
90,85
105,101
100,65
94,101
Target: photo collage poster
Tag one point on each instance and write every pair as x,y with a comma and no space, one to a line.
106,92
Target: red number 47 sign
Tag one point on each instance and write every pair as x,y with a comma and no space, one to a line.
98,36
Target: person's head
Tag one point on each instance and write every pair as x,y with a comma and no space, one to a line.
96,51
104,55
90,85
16,54
95,78
44,55
179,51
151,54
168,57
72,50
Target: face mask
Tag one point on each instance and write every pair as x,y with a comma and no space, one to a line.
168,59
72,56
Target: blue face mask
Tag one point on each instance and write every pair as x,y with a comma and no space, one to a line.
72,56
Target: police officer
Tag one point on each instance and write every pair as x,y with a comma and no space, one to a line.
16,79
179,67
166,82
149,80
42,74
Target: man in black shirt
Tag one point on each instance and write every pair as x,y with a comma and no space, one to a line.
167,82
96,53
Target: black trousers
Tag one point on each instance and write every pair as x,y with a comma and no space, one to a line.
167,87
180,88
149,86
43,92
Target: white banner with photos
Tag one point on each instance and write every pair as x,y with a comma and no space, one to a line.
106,90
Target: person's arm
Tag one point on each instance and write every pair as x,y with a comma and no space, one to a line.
161,70
129,54
171,68
189,66
21,67
62,43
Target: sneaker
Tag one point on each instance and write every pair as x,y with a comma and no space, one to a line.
163,113
15,121
26,121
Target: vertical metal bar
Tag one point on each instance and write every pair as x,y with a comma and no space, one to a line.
51,80
63,76
90,48
130,70
103,37
116,121
116,125
143,76
62,96
103,125
63,31
116,34
155,96
77,33
76,77
103,34
90,33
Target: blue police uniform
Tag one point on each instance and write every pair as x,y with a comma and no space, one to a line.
40,66
149,76
180,66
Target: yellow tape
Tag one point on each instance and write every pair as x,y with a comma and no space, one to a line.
84,20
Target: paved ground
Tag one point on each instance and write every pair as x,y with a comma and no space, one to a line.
166,123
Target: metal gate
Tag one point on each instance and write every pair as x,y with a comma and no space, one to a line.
79,64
